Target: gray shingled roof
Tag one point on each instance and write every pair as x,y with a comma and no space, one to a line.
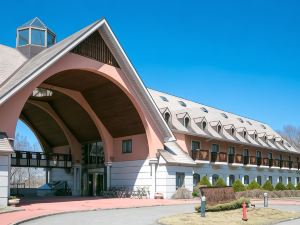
34,66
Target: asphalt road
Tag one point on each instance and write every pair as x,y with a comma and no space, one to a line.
132,216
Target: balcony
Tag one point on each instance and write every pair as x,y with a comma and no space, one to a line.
200,155
223,157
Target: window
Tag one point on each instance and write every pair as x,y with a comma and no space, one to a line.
224,115
289,180
255,136
196,179
126,146
263,126
186,121
245,134
280,157
258,154
50,39
182,103
215,177
231,180
38,37
280,179
271,179
258,180
195,145
164,98
219,128
93,153
214,148
241,120
203,125
204,109
167,117
231,150
232,131
23,37
249,123
180,180
246,180
246,152
298,180
270,155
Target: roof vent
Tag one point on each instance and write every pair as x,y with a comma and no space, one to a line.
33,37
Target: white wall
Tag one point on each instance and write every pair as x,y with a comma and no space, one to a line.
4,175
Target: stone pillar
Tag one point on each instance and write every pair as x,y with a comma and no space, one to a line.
153,165
108,174
76,190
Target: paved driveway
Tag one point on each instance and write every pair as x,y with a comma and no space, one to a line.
132,216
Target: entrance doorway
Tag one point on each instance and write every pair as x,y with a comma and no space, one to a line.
95,184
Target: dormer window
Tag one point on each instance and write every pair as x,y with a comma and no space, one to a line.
167,117
182,103
282,142
245,134
263,126
204,125
219,128
232,131
224,115
164,98
204,109
255,136
249,123
186,122
241,120
265,137
274,139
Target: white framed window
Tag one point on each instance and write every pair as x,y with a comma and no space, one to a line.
195,145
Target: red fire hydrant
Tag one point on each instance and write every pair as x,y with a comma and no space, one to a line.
244,212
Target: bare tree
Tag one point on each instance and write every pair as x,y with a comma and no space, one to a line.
292,135
31,177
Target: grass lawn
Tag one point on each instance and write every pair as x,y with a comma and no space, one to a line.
256,216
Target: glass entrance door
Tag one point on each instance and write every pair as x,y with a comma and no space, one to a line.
99,183
91,184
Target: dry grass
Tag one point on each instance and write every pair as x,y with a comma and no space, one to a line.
256,216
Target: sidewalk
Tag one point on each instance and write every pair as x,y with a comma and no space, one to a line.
45,206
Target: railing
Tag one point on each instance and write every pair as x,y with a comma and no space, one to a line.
206,155
258,161
245,160
223,157
230,158
238,158
253,160
200,155
213,156
38,159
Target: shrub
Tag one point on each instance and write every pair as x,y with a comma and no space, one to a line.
290,186
204,181
280,187
236,204
253,185
195,194
182,193
220,183
268,186
238,186
298,186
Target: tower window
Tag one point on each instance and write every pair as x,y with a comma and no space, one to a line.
23,37
37,37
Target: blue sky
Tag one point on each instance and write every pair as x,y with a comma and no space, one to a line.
240,56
